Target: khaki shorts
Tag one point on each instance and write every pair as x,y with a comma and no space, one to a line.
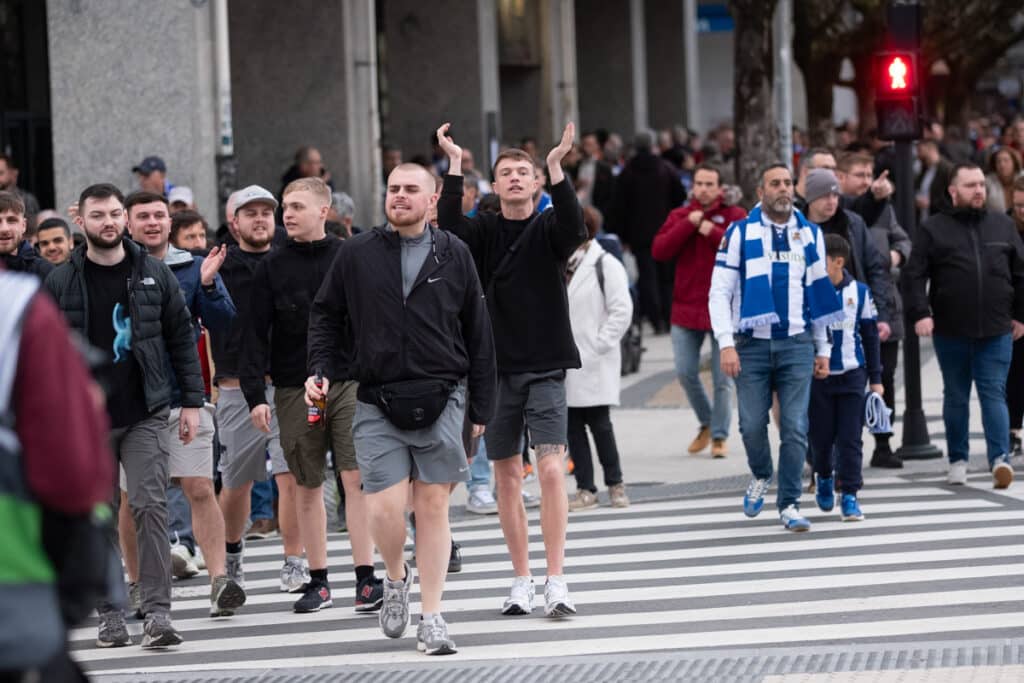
305,448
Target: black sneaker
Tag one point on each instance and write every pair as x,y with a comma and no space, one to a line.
455,561
317,596
884,457
369,594
112,630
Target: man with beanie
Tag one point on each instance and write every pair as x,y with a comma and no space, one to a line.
866,264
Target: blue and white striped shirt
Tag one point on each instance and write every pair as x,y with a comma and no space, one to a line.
857,332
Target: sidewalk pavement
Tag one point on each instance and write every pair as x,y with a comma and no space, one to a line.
654,425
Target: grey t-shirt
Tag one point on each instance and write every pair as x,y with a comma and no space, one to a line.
414,252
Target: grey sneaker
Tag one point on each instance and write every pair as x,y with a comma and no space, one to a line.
294,575
158,632
394,613
557,602
583,500
481,501
135,601
113,631
432,637
530,500
618,496
233,568
226,596
520,599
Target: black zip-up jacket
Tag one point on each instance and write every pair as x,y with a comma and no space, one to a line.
868,265
973,262
440,331
283,288
237,272
161,323
527,298
27,260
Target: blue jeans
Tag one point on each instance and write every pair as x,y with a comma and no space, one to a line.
179,518
686,345
262,499
986,362
480,468
787,366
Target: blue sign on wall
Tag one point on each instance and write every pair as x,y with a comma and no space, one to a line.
713,19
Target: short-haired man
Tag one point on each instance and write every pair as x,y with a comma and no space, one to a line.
965,286
188,231
521,257
407,300
18,255
770,302
53,240
191,465
284,286
130,305
893,243
9,183
690,237
151,174
868,204
243,446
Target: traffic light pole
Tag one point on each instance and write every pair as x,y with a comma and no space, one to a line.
916,442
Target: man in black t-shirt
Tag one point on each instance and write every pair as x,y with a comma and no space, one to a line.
130,306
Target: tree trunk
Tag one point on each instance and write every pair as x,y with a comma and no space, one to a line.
757,139
819,80
865,89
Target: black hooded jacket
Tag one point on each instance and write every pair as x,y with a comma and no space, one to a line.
26,260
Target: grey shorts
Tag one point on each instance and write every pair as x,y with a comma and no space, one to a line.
192,460
534,398
243,448
388,455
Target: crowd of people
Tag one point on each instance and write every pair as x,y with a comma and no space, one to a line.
290,348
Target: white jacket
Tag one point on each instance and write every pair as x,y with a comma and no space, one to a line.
598,324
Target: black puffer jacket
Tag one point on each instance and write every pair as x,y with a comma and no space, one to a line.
973,263
161,323
26,260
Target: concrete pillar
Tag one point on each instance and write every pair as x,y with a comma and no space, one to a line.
364,162
604,65
490,79
691,67
638,63
124,79
561,96
432,74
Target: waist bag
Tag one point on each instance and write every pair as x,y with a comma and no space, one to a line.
410,404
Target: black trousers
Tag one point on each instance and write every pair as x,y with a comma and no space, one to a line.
1015,386
836,414
890,360
598,418
649,284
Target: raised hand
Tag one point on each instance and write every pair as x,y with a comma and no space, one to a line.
558,153
211,265
449,147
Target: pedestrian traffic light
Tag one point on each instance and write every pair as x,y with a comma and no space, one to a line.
896,95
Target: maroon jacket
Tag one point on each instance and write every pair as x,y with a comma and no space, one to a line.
63,432
680,239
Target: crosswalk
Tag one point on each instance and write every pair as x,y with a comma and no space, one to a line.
929,562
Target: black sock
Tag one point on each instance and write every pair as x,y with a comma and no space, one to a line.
233,547
318,574
364,572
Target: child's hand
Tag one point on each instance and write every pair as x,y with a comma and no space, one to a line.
878,389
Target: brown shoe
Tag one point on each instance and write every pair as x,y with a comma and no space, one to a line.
701,442
618,495
583,500
261,528
718,448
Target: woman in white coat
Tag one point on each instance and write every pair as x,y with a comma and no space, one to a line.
600,309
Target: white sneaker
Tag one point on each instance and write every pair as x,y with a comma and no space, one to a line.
294,575
530,500
182,565
957,473
557,602
520,600
481,501
199,559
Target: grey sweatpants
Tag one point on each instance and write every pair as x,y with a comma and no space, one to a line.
142,451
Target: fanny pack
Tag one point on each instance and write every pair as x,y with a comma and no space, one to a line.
410,404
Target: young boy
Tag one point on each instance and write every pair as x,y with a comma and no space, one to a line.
836,412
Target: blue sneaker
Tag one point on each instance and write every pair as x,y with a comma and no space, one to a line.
825,494
850,510
793,520
753,501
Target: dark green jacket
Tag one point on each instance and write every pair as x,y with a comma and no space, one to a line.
161,323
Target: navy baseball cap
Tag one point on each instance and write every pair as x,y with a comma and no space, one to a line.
150,164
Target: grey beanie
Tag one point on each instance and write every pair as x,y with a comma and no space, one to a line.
820,182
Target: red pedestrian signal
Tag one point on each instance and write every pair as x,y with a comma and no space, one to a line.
897,90
896,75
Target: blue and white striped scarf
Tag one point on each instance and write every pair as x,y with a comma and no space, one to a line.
757,307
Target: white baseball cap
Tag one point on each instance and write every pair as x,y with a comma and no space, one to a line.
253,193
181,193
